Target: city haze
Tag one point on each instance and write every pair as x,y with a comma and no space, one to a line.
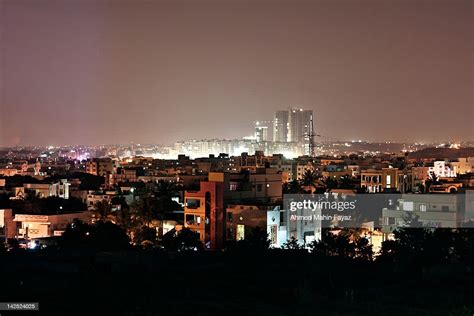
101,72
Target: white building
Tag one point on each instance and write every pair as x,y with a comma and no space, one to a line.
276,228
44,190
303,225
261,133
40,226
463,165
441,170
431,211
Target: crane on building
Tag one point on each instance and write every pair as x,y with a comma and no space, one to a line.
311,136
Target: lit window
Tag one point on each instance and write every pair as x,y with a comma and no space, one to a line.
240,232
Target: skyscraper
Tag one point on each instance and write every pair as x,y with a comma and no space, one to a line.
292,125
280,126
299,125
261,133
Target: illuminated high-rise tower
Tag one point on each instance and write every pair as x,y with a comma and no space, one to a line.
261,132
292,125
299,125
280,126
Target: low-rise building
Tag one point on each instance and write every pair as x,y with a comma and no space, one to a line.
427,210
371,180
463,165
7,225
241,220
441,169
387,180
301,169
95,197
204,212
30,226
263,185
100,166
9,172
43,190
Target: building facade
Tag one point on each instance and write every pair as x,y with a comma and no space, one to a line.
204,212
31,226
100,166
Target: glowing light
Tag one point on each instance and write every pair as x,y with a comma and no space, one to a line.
239,150
289,154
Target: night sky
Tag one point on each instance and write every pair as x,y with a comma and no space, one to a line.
101,72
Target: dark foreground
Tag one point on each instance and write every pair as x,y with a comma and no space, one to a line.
287,282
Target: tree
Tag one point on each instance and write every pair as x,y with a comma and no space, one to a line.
330,183
166,189
463,244
292,187
343,244
408,242
107,236
309,178
412,240
345,183
146,237
183,240
256,241
76,235
439,245
103,211
124,218
32,196
363,249
333,245
153,203
143,210
412,220
102,236
432,180
292,244
390,251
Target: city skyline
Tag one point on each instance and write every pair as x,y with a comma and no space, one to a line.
160,72
270,157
